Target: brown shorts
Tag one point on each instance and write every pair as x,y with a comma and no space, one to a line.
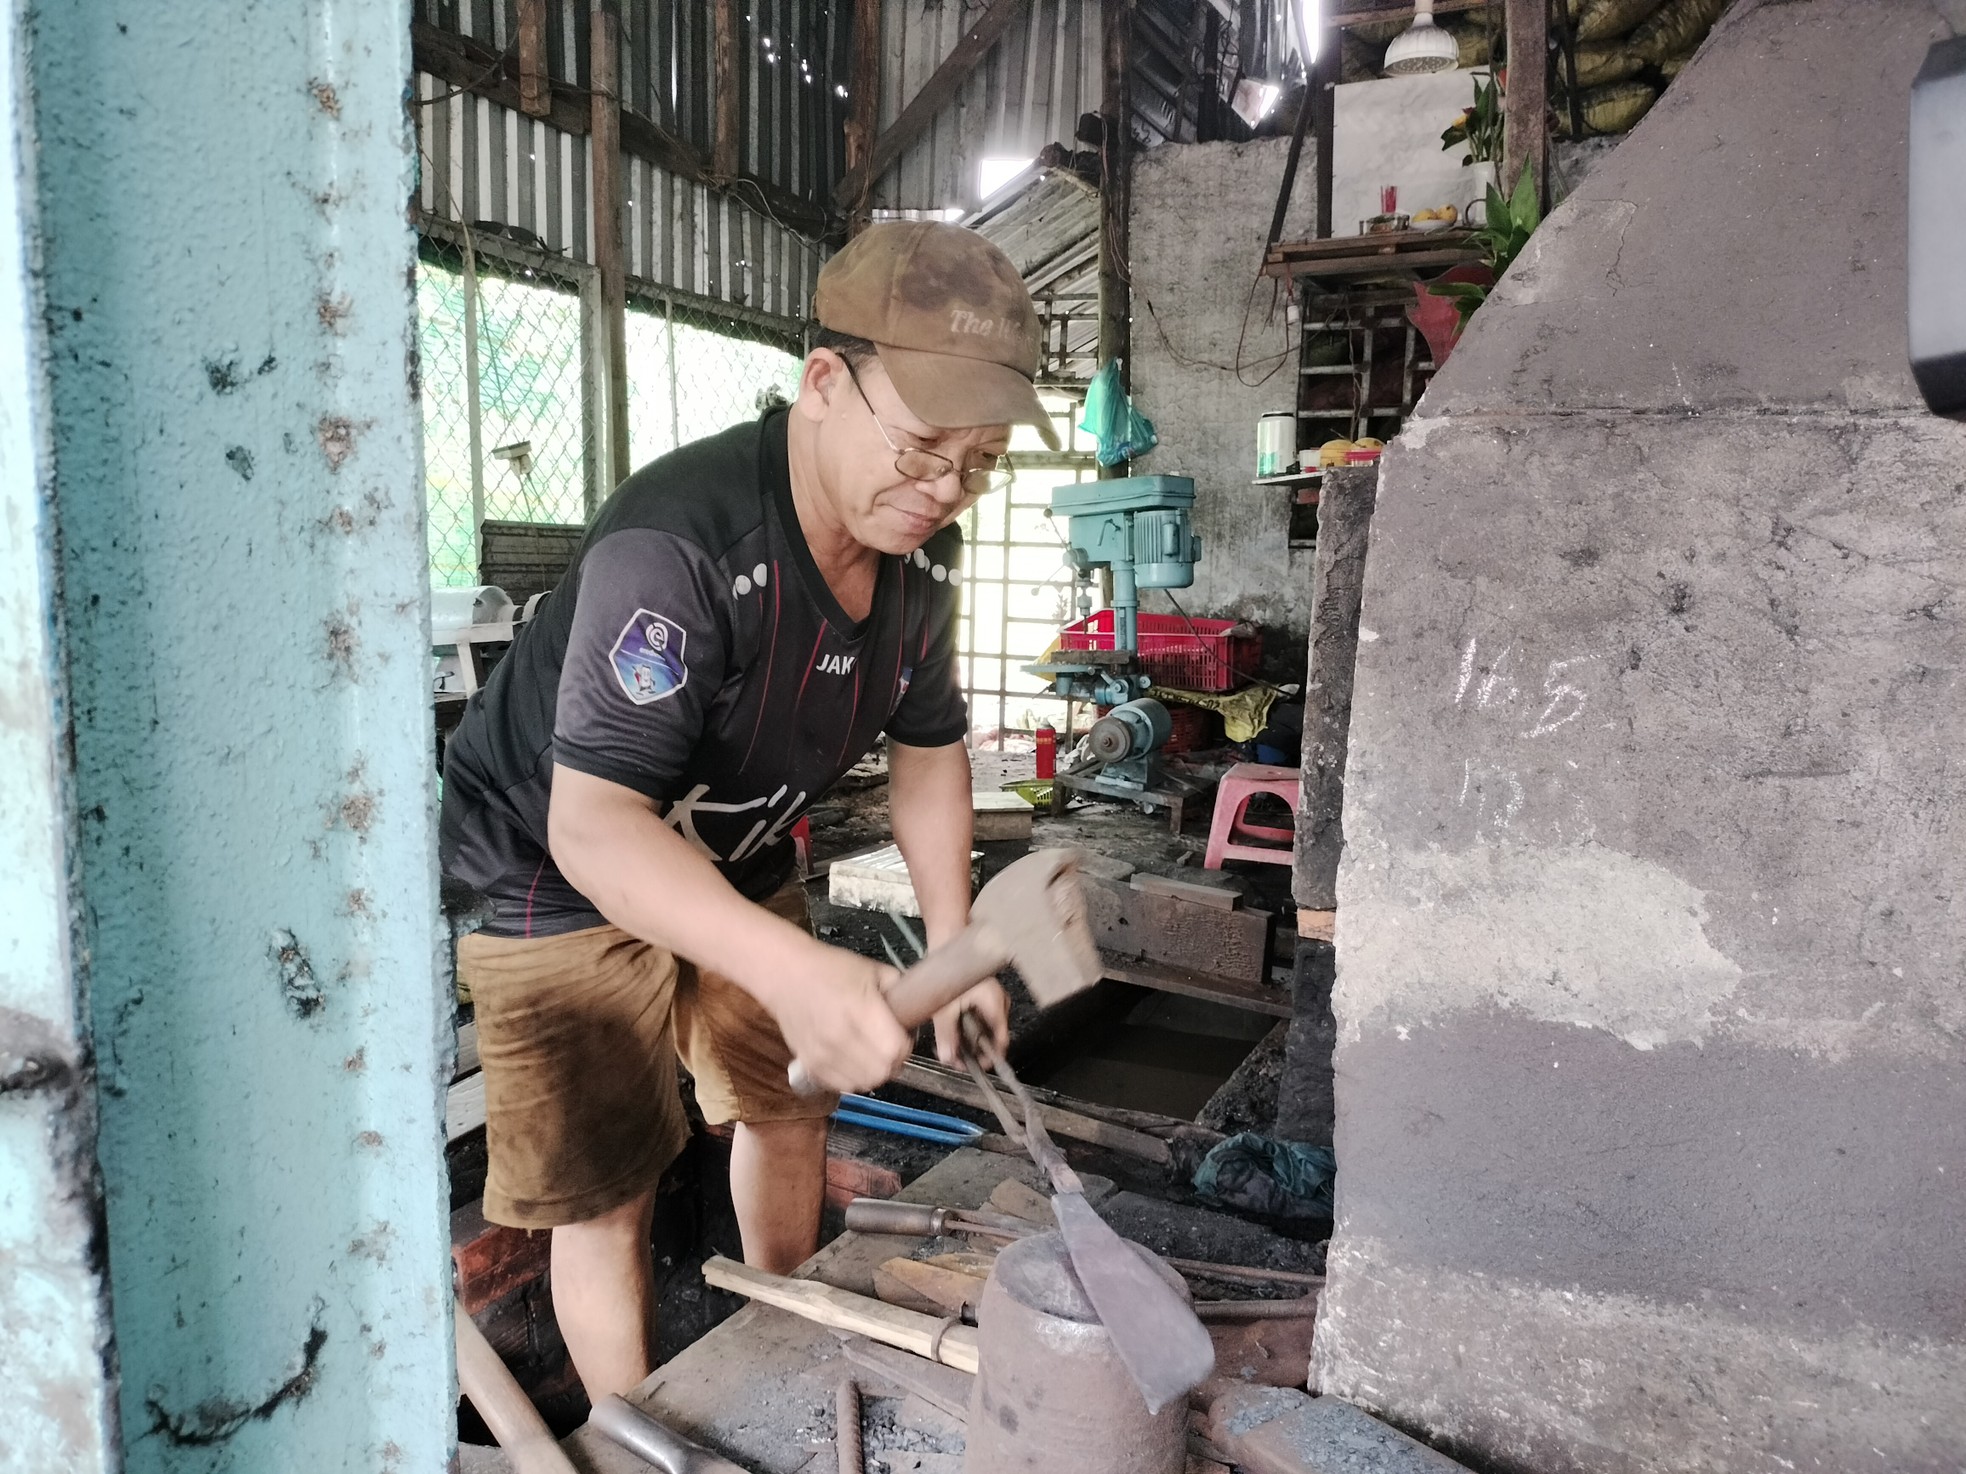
579,1036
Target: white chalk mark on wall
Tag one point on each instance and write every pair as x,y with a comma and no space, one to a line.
1566,702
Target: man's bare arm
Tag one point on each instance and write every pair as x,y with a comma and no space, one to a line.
934,824
613,847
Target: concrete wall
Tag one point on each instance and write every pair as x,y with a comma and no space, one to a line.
1651,1073
1201,213
210,416
1210,358
1388,131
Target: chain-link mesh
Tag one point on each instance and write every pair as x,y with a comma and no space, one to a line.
446,416
686,379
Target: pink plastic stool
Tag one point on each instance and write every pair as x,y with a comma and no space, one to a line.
1232,795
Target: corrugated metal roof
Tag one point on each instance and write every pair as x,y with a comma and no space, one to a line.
482,162
1029,91
1049,228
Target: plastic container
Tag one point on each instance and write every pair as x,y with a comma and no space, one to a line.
1209,659
1047,750
1276,443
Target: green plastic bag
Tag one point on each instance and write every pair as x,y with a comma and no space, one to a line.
1123,433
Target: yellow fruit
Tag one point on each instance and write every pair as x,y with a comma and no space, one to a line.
1426,215
1368,443
1332,452
1448,213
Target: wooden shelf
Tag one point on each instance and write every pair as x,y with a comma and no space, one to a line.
1396,253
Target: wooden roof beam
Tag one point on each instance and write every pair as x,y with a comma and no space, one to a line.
937,93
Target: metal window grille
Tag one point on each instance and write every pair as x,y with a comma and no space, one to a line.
511,377
1017,588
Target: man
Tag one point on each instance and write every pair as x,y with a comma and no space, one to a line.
744,619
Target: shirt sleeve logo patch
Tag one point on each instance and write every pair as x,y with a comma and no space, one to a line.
648,657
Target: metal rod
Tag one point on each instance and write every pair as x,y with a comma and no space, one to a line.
846,1436
474,408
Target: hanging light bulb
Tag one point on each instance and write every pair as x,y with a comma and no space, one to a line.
1422,47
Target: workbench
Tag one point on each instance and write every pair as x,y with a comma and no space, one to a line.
760,1388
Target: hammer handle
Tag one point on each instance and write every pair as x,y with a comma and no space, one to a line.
932,984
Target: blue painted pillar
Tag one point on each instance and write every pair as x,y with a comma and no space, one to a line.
55,1383
228,320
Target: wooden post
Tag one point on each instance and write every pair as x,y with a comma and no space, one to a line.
723,148
863,106
535,82
1525,134
1324,119
605,130
474,406
1344,532
1116,192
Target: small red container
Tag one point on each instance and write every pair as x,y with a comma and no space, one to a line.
1047,736
1208,659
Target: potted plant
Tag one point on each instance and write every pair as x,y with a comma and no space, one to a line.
1478,128
1510,221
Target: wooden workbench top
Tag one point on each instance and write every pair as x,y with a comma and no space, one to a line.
760,1388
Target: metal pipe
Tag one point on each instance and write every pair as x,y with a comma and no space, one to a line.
473,402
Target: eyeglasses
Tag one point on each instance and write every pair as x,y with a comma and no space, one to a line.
926,465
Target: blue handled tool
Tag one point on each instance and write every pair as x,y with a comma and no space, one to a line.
900,1120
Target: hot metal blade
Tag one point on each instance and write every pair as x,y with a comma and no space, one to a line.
1155,1331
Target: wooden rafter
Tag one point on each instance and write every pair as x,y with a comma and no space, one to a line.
937,93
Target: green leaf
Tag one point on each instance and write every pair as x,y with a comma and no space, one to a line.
1524,208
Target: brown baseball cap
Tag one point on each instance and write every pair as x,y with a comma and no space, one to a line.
954,323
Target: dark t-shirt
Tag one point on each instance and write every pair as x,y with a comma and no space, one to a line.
694,654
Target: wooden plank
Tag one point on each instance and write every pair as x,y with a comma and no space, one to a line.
1320,926
1379,265
1255,997
1125,922
1116,196
863,106
1344,530
467,1051
723,150
1059,1122
1394,241
937,93
943,1388
1021,1200
1270,1430
464,1107
1525,129
931,1289
939,1079
1220,897
841,1310
535,82
604,63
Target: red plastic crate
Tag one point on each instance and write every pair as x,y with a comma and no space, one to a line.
1208,659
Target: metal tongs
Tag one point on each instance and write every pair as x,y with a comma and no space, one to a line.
1153,1327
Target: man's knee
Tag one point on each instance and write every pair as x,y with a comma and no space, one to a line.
800,1135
